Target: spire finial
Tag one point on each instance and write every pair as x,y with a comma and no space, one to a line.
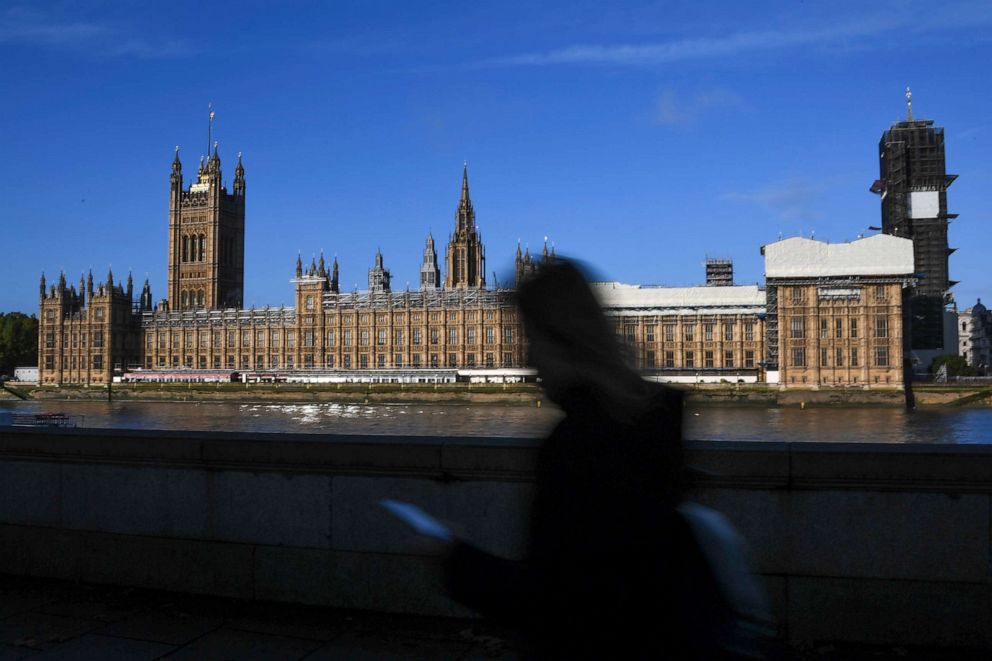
210,124
909,104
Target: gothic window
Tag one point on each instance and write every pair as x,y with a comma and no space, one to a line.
854,356
882,356
203,248
490,360
363,338
452,336
823,357
185,256
669,332
824,329
330,338
799,357
49,340
507,360
797,294
308,338
748,359
708,359
490,335
881,327
346,340
690,359
839,328
309,302
728,332
689,333
416,335
290,339
708,332
728,358
880,293
470,335
649,333
434,336
854,331
381,337
398,340
839,357
669,359
200,298
508,336
797,329
184,300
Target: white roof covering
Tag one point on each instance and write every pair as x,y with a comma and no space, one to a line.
741,299
880,254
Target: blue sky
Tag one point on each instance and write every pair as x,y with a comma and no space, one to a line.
641,137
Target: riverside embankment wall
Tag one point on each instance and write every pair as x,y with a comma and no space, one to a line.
869,543
511,394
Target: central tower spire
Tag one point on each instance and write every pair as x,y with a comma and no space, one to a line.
466,257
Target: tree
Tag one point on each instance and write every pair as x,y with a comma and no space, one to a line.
18,341
956,365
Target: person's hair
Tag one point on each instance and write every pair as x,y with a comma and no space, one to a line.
557,302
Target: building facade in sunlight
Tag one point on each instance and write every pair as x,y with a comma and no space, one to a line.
844,317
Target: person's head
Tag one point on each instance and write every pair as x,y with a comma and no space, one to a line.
571,343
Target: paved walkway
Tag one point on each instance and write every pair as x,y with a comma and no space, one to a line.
44,619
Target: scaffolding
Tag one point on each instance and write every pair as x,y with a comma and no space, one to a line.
719,272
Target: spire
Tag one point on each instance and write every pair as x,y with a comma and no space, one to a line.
334,275
41,286
239,177
299,266
130,286
110,278
89,283
177,166
321,268
82,290
465,198
61,280
909,104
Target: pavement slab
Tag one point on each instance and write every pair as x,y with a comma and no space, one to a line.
244,645
40,631
105,648
163,626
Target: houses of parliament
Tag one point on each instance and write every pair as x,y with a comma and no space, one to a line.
828,315
90,332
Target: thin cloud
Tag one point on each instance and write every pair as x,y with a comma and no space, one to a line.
673,109
697,48
31,28
791,201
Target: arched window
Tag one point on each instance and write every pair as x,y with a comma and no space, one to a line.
185,248
185,300
199,297
203,248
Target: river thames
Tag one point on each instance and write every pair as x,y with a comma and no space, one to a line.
879,425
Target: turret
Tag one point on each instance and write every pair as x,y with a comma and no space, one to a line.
61,287
334,276
41,286
321,268
82,291
130,287
299,266
146,297
110,280
89,284
239,178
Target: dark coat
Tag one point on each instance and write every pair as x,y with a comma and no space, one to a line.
610,565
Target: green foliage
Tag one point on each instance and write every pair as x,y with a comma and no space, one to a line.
18,341
956,365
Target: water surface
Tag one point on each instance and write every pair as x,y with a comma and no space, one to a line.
842,425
